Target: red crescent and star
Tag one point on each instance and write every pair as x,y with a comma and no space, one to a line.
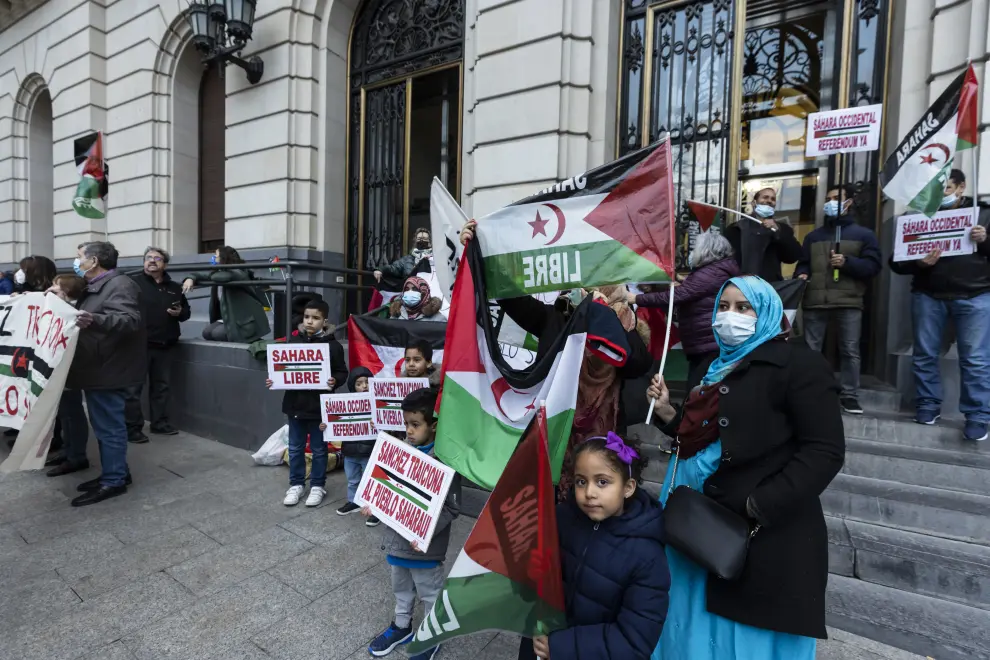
929,158
539,225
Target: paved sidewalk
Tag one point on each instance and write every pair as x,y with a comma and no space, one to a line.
200,560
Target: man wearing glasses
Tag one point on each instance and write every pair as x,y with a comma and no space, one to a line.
163,307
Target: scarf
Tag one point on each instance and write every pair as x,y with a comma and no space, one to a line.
421,285
419,255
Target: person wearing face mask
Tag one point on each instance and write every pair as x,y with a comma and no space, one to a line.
838,259
415,302
957,288
760,249
762,435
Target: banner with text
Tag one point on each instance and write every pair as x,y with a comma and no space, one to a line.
405,488
302,367
843,131
38,336
948,231
348,417
387,394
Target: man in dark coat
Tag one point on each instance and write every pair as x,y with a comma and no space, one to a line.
838,260
957,288
163,307
761,249
110,358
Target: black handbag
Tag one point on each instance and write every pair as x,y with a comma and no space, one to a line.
706,532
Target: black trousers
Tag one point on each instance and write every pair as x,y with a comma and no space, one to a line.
159,378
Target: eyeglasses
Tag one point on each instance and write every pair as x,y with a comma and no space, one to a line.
152,258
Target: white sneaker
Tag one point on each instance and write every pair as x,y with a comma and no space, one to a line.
316,495
293,495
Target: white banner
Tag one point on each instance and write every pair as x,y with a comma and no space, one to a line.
948,231
38,337
843,131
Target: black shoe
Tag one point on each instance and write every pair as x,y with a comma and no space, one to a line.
68,468
165,429
102,493
348,508
851,405
372,522
57,459
138,439
94,484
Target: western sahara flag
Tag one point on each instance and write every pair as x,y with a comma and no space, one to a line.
507,577
611,225
380,344
916,172
485,404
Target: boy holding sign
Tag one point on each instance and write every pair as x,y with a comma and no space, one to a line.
417,571
302,407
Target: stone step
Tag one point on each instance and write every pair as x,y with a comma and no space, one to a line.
937,512
913,622
879,398
919,563
900,429
965,471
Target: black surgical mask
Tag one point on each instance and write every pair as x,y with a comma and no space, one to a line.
423,244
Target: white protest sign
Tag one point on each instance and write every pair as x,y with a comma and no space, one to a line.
348,417
405,488
843,131
387,394
38,337
299,366
948,231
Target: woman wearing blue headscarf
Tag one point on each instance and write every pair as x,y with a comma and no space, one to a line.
762,435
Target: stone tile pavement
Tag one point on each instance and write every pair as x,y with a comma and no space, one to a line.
201,561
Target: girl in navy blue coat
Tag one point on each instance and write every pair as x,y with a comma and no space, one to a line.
615,569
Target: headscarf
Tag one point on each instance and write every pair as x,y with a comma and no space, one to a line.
769,316
421,285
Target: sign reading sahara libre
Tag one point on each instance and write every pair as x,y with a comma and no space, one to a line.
38,337
387,394
405,488
948,231
299,366
348,417
843,131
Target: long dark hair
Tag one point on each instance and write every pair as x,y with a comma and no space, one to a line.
39,272
228,255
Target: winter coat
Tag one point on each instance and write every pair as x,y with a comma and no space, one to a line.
782,444
7,284
766,249
357,448
305,404
694,300
404,266
863,263
162,328
616,582
952,278
430,311
545,322
395,545
241,308
112,352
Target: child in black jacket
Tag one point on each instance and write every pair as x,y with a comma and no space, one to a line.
302,407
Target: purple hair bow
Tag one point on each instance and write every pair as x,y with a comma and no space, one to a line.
614,443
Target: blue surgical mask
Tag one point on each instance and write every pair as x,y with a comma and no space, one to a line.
411,298
213,260
764,210
77,267
832,208
949,200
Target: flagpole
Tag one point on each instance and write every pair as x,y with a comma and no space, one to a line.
976,164
666,345
728,210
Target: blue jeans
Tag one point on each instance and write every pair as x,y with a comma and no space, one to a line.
354,469
106,414
972,320
298,430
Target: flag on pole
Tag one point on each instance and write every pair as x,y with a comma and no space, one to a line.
485,404
380,344
508,575
611,225
704,213
916,172
91,189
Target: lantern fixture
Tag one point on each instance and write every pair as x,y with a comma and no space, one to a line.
221,30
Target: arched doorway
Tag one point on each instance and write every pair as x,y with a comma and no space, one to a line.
406,73
41,175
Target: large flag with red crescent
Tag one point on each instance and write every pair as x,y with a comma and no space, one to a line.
916,172
508,575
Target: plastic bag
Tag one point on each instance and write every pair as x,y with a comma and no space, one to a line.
275,446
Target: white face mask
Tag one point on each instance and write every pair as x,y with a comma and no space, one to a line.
764,210
19,277
949,200
734,328
832,208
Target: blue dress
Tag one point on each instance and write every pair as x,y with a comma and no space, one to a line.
691,631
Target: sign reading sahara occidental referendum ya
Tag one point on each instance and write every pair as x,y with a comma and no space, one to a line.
348,417
405,488
843,131
38,336
948,231
613,224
